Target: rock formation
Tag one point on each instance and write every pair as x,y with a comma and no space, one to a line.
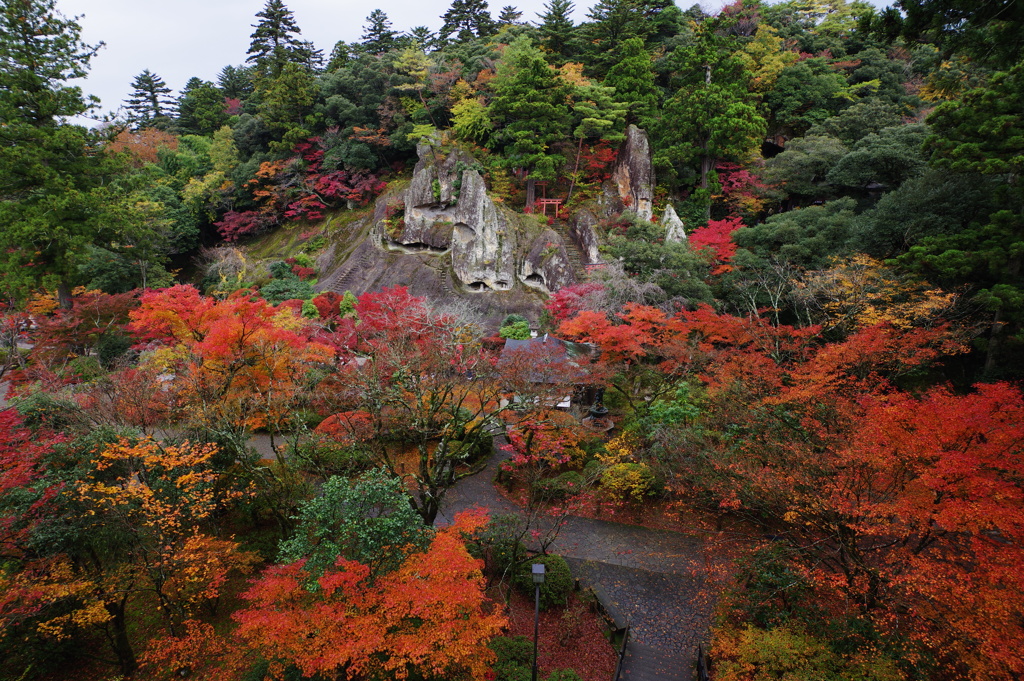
547,266
674,228
632,182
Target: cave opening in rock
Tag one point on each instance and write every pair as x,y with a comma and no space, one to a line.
478,286
416,247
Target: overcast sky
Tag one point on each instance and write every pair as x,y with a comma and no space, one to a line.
178,40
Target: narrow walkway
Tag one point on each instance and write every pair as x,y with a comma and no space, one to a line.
653,577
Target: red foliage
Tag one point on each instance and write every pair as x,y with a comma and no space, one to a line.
596,161
303,273
717,236
328,305
236,225
571,300
427,617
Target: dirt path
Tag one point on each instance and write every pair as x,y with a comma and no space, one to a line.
655,578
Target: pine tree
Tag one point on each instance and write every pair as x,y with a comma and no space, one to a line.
275,41
378,37
54,179
509,16
556,30
467,19
530,107
149,102
201,108
236,81
633,80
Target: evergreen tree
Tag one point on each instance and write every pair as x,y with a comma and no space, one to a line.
709,117
556,30
201,108
509,16
467,19
55,196
378,37
421,37
530,106
149,102
236,82
633,80
614,21
275,41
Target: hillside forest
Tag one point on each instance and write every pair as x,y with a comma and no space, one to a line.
805,319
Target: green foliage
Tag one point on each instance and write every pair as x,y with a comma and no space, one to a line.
529,110
499,545
858,121
558,581
200,108
806,93
286,288
633,79
935,203
710,115
513,318
111,346
803,168
807,237
888,158
470,120
516,331
309,310
559,488
674,267
368,520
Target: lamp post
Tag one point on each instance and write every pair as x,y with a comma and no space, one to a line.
538,579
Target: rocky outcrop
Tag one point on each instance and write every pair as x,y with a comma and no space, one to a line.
483,244
674,228
632,182
446,210
582,229
546,266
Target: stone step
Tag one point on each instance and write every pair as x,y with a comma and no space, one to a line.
572,251
645,663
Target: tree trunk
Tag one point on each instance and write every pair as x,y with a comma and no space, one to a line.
531,192
64,295
119,637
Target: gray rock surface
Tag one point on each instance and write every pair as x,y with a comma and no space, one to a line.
546,266
582,229
632,182
675,230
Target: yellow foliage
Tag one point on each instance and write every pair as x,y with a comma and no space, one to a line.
863,292
41,304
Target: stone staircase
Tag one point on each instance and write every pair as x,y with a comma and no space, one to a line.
344,282
573,252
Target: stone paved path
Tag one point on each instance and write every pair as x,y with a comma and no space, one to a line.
652,577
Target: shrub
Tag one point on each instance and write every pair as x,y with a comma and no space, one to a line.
111,346
281,270
566,485
498,545
514,649
630,481
517,331
513,318
558,582
563,675
279,290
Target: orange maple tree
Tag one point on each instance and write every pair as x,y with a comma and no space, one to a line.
428,617
238,361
